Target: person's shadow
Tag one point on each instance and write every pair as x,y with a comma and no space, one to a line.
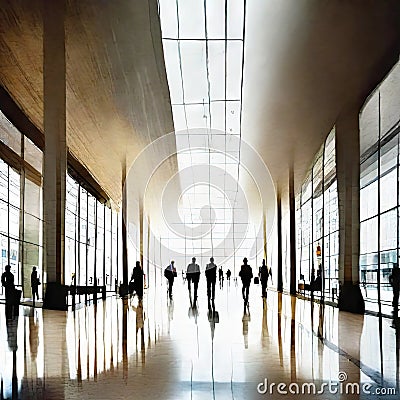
193,311
12,330
245,322
213,317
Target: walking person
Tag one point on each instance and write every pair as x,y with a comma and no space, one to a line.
221,277
7,281
137,280
35,282
211,276
193,275
394,280
228,275
245,274
170,274
264,275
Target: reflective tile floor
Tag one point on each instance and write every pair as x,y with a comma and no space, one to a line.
284,348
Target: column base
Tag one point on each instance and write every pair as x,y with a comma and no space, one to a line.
55,297
351,299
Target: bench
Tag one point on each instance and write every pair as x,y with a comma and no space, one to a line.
78,290
302,286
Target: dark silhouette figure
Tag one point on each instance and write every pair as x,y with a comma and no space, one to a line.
35,284
228,275
264,275
245,274
137,280
193,275
394,280
7,281
211,276
221,277
170,274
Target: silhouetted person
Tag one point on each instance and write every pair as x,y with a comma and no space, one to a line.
7,281
264,275
137,280
35,284
394,280
245,274
228,275
221,277
317,284
193,275
211,276
170,273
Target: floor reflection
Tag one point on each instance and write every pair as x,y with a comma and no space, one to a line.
201,349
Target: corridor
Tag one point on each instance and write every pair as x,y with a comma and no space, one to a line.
170,350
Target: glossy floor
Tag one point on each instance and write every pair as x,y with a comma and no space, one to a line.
169,350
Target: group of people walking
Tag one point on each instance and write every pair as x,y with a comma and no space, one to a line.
12,294
193,278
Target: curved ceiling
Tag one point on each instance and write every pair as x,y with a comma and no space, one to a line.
306,62
117,93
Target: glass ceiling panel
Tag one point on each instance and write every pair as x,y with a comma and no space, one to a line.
191,19
194,71
173,69
234,70
210,73
216,69
215,11
233,118
197,116
169,22
217,142
178,113
235,19
218,115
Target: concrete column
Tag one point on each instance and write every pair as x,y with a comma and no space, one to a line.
124,183
279,218
141,231
348,183
292,232
55,154
265,235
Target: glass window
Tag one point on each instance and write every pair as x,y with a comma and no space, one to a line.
108,244
9,134
3,181
15,187
100,244
388,191
369,170
369,236
33,155
369,201
3,217
388,230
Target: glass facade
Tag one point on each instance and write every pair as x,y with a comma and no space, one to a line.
379,194
92,233
92,229
21,224
317,222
